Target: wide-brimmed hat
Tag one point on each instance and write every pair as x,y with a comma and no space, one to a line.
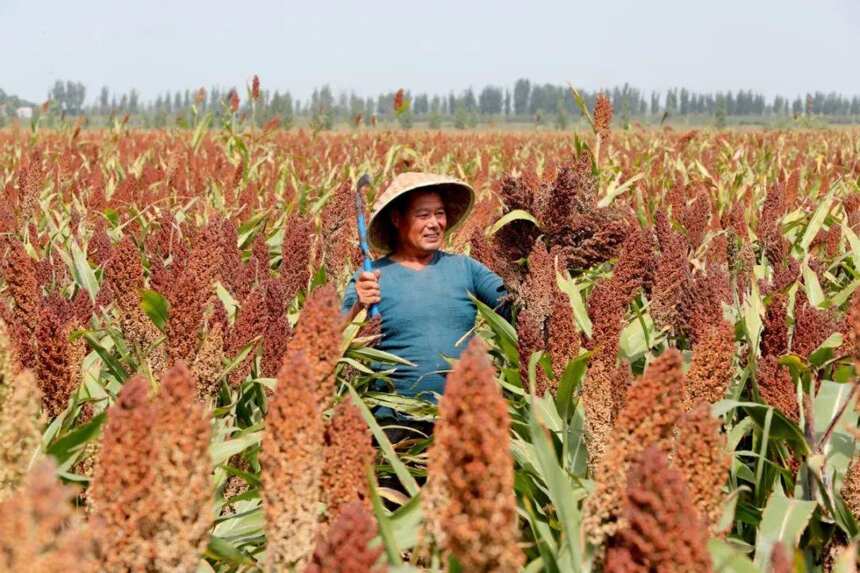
457,195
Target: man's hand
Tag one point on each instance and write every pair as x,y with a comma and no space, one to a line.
367,288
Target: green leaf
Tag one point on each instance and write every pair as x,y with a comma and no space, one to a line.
614,189
571,289
825,351
570,380
812,286
406,523
69,444
853,242
815,223
223,550
107,357
230,304
783,520
222,451
753,312
376,355
505,333
83,272
839,449
515,215
385,531
199,131
634,338
384,444
560,488
155,307
728,559
781,427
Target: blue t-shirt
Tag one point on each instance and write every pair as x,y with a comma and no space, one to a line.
426,312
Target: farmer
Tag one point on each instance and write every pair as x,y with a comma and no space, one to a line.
422,292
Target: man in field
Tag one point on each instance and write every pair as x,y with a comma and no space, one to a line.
422,292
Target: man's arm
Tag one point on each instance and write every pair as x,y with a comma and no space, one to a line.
359,294
489,288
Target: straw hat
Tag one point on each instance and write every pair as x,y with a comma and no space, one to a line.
457,195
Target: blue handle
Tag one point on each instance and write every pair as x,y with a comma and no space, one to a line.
362,236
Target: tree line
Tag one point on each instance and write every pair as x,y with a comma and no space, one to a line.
524,100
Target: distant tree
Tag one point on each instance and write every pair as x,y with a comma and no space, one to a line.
672,101
421,104
469,101
58,94
133,101
655,103
561,115
452,103
356,105
460,116
720,114
104,100
490,101
522,90
435,120
507,102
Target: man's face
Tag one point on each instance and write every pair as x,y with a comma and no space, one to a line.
421,227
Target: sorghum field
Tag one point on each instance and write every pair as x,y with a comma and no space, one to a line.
676,392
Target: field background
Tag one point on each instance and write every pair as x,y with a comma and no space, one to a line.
675,392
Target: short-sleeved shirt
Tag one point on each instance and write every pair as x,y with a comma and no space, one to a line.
427,313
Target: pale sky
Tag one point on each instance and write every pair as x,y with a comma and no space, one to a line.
783,47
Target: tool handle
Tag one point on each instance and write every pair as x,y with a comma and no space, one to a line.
362,236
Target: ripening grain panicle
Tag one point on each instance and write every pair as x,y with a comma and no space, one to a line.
9,364
349,453
277,330
339,227
292,462
183,473
470,464
647,419
39,531
99,245
18,270
296,247
661,532
318,336
124,274
349,546
811,326
672,303
701,457
712,367
187,297
546,323
851,487
123,281
250,322
20,429
776,387
602,115
122,492
58,360
209,362
852,328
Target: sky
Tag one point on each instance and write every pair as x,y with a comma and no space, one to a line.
782,47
